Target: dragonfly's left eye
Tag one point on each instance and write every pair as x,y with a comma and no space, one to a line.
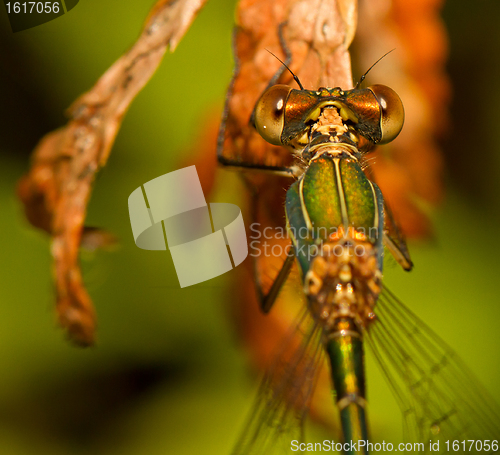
392,112
269,113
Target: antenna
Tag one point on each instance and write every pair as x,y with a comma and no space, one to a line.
296,79
362,78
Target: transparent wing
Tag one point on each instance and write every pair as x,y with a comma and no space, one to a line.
284,395
439,397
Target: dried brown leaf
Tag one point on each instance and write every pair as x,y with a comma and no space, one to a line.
57,188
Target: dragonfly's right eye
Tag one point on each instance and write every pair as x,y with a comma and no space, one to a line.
269,113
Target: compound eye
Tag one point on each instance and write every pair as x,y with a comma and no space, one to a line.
392,112
269,113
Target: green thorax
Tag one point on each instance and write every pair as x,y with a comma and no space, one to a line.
333,198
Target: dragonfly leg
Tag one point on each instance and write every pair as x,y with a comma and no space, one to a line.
285,66
286,171
267,294
282,171
288,59
267,300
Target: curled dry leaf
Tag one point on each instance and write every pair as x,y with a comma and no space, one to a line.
57,188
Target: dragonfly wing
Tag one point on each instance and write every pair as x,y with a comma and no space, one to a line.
439,397
284,396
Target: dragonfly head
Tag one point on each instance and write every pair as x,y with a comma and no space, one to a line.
369,116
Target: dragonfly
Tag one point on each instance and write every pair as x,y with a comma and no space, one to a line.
339,224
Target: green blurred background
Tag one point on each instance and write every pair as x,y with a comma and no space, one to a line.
168,375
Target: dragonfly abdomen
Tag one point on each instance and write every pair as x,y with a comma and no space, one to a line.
344,347
343,281
342,291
